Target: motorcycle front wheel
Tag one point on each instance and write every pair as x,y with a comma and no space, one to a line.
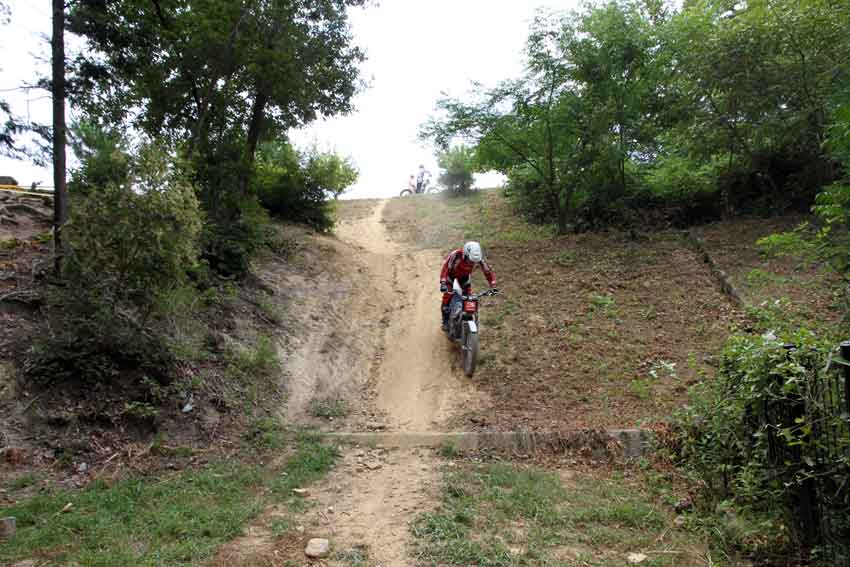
470,352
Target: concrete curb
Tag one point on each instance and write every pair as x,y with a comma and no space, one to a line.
598,443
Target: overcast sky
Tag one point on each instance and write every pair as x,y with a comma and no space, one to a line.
416,49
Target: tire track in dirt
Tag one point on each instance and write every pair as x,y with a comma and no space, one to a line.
417,384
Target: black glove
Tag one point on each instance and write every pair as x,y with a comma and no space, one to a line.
444,287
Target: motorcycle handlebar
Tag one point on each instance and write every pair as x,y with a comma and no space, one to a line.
491,291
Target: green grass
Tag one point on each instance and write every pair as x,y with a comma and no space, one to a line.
24,481
10,244
178,520
758,278
266,433
329,408
357,556
508,515
259,360
448,451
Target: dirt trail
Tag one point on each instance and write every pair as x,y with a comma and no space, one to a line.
393,350
417,383
369,501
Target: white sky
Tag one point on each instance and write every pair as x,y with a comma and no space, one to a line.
416,49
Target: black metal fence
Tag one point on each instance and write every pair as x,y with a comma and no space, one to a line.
815,463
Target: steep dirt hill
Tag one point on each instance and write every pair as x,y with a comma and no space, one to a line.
592,331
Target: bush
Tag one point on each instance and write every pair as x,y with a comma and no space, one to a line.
330,172
229,243
458,165
296,187
768,438
104,158
527,194
128,246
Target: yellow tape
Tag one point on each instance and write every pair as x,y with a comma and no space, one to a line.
25,191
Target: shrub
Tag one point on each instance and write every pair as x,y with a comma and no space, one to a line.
104,158
330,172
458,165
680,181
296,186
128,246
768,438
230,242
527,194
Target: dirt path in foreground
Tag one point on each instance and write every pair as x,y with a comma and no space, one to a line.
369,501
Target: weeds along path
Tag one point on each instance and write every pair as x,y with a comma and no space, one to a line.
415,381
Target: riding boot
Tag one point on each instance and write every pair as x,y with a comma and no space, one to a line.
445,312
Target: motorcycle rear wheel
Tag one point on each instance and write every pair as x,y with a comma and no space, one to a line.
405,193
470,353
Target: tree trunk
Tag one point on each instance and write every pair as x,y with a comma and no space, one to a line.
60,199
254,130
563,208
622,164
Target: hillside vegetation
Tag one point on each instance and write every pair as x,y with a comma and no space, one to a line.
672,242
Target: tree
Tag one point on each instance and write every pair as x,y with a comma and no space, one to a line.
60,196
566,129
295,185
209,76
330,172
758,79
458,165
10,127
213,80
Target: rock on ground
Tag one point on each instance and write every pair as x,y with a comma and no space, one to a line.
317,548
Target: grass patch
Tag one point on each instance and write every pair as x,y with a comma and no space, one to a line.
10,244
357,556
311,462
506,515
266,433
760,278
24,481
329,408
178,520
448,451
259,360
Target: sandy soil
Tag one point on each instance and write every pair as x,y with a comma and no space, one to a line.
417,384
370,500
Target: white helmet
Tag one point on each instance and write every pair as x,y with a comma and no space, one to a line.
472,252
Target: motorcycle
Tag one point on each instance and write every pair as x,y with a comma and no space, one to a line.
426,188
463,324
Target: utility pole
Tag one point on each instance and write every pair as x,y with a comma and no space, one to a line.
60,197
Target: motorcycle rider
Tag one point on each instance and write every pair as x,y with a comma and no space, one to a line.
411,184
459,265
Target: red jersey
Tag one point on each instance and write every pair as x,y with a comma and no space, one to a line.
455,267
